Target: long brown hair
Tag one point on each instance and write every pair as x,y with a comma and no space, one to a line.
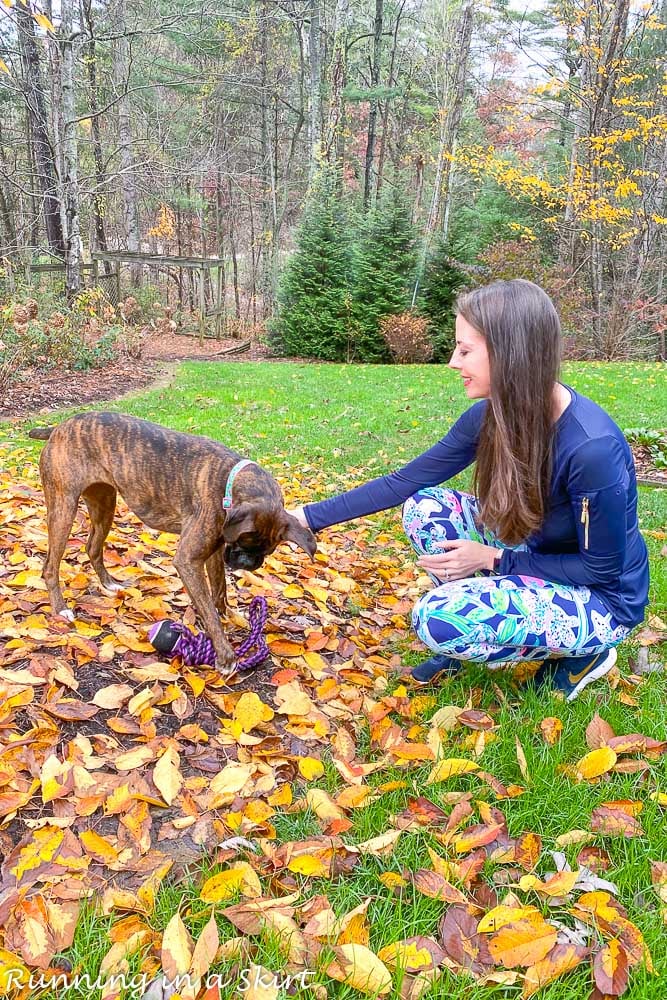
514,456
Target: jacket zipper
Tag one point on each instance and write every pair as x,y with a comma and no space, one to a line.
585,519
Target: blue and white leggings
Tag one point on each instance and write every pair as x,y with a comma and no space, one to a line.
493,619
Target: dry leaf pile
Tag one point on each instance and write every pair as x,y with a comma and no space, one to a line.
118,768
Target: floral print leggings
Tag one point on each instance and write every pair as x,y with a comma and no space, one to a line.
494,619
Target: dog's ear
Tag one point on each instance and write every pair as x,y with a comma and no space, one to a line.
303,537
238,520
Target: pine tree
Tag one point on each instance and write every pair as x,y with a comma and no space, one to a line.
386,261
442,281
314,295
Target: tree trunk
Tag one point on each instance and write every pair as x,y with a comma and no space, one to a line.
101,242
70,162
42,147
315,110
374,103
385,109
334,142
121,73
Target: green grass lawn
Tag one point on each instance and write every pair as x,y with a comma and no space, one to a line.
334,425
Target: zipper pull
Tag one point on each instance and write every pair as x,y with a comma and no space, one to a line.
585,519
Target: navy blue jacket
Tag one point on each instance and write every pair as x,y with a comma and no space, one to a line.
590,536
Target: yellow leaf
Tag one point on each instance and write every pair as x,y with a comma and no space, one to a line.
176,952
595,763
293,700
406,955
521,758
574,837
523,942
4,68
310,865
99,847
133,759
311,768
240,878
559,884
227,783
314,660
113,696
43,22
392,880
250,710
449,768
54,775
167,776
292,591
323,805
562,959
357,966
42,847
377,846
13,973
281,797
501,915
205,950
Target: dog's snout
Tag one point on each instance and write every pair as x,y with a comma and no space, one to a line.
239,559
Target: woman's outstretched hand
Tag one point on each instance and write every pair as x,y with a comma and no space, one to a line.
461,559
298,513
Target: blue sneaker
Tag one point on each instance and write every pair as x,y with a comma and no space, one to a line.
431,669
573,673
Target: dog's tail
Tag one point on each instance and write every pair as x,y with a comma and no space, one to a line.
41,433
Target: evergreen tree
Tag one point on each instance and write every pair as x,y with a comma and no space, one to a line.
314,295
442,281
384,274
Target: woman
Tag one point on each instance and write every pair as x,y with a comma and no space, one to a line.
545,561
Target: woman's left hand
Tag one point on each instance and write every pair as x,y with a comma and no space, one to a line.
461,559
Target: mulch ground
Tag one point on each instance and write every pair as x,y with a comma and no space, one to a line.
36,391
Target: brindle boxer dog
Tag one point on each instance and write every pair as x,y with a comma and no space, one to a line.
174,482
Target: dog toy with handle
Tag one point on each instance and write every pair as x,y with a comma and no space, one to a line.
177,640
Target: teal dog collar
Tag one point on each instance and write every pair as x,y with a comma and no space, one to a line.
227,499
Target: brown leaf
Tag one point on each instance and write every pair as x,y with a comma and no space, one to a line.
551,729
432,884
615,823
610,969
474,719
598,733
70,710
462,943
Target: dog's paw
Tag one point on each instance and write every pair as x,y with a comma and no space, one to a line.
67,614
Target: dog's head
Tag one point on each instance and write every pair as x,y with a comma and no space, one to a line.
252,532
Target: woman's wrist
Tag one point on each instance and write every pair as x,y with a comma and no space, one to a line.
494,557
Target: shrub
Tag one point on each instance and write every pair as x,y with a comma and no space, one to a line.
385,271
406,336
442,283
313,318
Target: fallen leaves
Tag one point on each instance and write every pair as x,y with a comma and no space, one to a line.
112,761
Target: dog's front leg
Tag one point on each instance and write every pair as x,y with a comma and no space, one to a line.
215,570
190,560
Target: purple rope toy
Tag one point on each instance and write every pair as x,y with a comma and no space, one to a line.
177,640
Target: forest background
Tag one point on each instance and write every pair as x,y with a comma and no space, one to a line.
354,162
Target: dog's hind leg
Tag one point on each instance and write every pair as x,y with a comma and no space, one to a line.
60,513
215,570
100,500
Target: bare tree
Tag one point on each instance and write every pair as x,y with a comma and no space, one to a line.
34,95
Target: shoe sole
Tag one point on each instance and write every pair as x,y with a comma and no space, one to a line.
603,668
440,673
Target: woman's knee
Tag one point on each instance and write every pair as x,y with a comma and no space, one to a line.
434,502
